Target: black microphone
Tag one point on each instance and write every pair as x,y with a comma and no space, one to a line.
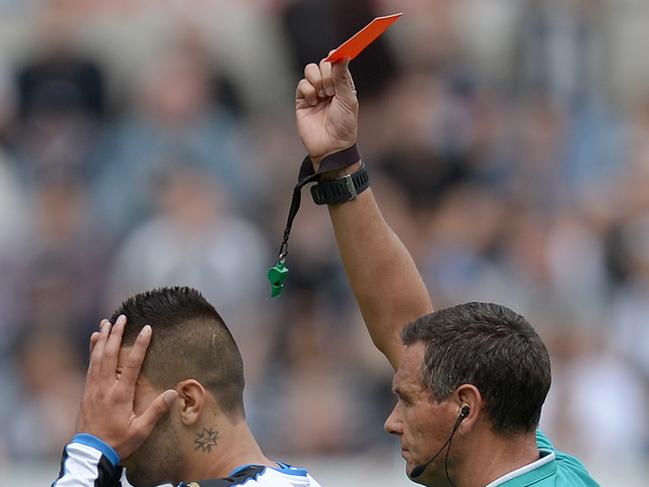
419,469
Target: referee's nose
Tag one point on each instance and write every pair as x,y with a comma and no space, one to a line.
393,424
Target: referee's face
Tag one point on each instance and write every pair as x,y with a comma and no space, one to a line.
421,424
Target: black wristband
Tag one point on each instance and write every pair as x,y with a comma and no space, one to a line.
346,188
340,160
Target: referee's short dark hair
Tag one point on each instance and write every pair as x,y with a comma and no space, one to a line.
190,341
491,347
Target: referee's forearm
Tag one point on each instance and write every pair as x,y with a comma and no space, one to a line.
386,283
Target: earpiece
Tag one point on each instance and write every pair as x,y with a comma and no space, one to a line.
464,412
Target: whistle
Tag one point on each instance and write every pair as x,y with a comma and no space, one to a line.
277,275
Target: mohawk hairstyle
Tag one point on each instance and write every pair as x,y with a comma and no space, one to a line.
190,341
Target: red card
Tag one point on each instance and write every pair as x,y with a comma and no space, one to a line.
363,38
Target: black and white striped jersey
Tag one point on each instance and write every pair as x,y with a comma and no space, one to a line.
89,462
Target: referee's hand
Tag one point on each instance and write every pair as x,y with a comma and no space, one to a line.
326,109
107,405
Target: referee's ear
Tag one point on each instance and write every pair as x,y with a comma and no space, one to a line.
191,401
468,395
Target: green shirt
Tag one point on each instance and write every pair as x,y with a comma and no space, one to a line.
554,468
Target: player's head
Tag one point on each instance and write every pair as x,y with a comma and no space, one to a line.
193,352
480,354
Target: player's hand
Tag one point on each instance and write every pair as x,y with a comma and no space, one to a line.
107,405
326,109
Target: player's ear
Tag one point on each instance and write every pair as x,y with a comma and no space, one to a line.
191,400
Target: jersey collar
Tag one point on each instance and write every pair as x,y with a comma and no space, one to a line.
544,467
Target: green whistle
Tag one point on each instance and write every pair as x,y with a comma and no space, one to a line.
277,275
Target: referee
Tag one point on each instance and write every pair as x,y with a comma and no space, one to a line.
163,401
470,380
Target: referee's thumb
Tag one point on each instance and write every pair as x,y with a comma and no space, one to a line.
343,80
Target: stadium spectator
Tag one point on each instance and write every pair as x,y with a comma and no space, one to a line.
61,102
172,113
47,389
12,203
194,238
55,280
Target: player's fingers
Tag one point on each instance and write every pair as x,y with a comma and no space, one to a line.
135,358
327,81
93,341
313,76
157,409
343,81
306,92
98,350
111,352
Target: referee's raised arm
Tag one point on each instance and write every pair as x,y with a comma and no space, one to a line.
386,283
471,379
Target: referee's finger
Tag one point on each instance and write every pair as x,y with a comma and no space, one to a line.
135,358
327,81
313,75
306,93
344,82
97,354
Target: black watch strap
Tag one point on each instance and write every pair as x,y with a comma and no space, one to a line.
346,188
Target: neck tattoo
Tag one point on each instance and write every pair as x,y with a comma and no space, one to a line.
206,440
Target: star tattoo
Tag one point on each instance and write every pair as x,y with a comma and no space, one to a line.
206,439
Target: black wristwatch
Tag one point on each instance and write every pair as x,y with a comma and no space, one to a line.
346,188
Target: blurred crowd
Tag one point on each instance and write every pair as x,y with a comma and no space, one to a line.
150,143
